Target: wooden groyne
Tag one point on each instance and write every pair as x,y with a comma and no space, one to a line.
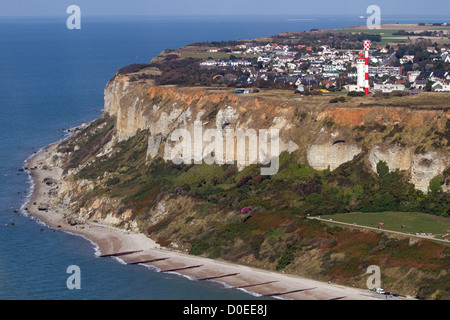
118,254
337,298
286,292
218,277
182,268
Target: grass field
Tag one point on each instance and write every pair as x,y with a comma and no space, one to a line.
411,222
383,32
388,37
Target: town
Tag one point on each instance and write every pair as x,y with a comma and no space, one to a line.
392,68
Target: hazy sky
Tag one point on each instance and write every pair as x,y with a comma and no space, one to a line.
441,8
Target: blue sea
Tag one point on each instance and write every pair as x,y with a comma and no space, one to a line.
52,79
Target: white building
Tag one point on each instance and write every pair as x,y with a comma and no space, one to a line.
382,71
353,87
388,87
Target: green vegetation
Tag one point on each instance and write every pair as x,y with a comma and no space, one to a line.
296,188
276,235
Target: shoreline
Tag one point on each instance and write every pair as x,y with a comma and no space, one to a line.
136,248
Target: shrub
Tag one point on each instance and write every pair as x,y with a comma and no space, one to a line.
287,257
356,94
112,181
337,99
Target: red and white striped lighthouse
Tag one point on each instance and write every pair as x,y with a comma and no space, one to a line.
366,67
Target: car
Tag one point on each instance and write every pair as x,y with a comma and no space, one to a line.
379,290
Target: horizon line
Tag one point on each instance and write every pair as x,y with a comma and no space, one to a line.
300,16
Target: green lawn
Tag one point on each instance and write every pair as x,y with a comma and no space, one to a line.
411,222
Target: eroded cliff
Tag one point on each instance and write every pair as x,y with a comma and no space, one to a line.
323,135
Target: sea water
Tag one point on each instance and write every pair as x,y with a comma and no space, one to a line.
52,79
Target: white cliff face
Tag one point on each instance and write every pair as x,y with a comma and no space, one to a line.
114,91
421,167
395,157
425,167
330,150
329,155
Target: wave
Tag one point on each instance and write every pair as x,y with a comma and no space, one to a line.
182,275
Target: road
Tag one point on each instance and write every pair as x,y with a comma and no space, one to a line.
384,230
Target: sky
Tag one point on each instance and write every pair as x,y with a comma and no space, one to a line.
301,8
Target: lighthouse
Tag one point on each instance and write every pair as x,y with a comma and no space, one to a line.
362,69
366,66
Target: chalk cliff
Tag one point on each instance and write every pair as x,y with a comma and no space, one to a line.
323,135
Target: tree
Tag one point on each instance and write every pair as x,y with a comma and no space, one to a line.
382,169
435,185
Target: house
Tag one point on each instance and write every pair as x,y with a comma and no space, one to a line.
213,49
406,58
292,66
328,83
440,87
420,84
382,49
255,49
264,59
272,47
382,70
